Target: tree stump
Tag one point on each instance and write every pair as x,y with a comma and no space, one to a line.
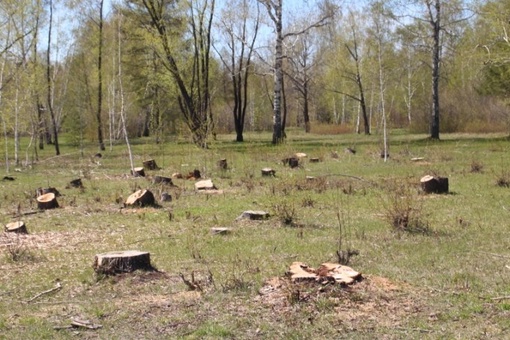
253,215
268,172
314,160
177,175
42,191
47,201
8,178
162,180
140,198
222,164
166,197
292,162
435,185
350,150
205,185
220,231
138,172
300,155
17,227
122,262
150,165
76,183
195,174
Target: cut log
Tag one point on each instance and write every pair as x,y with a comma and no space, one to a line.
47,201
162,180
140,198
150,165
435,185
122,262
253,215
327,272
268,172
138,172
18,227
76,183
222,164
205,185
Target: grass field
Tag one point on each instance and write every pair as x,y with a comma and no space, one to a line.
445,275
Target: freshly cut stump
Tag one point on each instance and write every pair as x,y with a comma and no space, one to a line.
327,272
205,185
268,172
253,215
122,262
47,201
140,198
220,231
436,185
150,164
138,172
18,227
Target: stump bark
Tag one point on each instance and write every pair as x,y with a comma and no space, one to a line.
222,164
138,172
122,262
166,197
150,164
140,198
434,185
17,227
47,201
292,162
76,183
268,172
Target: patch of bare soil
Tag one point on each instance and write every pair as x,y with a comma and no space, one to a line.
372,302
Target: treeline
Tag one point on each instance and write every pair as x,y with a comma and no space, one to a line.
99,70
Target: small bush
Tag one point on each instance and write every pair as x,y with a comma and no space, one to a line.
404,211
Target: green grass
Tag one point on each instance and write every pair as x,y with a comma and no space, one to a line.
448,282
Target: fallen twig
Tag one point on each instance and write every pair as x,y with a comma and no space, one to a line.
57,287
499,298
76,323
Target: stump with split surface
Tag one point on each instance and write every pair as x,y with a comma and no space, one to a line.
140,198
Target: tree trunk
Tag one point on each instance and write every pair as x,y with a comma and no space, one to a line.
436,59
278,75
100,80
49,82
